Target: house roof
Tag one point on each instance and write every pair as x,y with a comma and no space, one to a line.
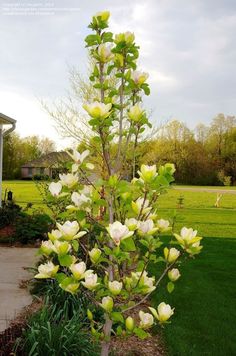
50,160
6,120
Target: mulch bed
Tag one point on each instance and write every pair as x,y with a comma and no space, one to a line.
14,331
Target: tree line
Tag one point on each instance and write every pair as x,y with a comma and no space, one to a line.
203,156
17,151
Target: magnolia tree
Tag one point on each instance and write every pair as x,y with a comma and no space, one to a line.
111,231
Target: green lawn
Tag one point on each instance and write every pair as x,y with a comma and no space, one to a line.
205,295
205,303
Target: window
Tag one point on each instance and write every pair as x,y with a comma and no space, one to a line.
30,171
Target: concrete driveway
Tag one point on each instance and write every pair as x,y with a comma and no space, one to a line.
12,298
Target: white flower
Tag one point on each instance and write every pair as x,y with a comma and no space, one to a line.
91,281
107,303
79,199
46,247
70,230
145,283
104,15
127,37
79,157
115,287
98,110
61,247
163,225
147,227
105,53
132,224
47,270
79,270
147,173
163,313
95,254
187,237
54,235
173,274
171,254
139,205
135,113
118,232
69,180
87,190
146,320
139,77
55,188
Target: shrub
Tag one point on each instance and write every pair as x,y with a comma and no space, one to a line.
29,228
8,214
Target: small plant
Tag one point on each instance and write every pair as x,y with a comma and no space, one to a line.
8,214
180,201
50,332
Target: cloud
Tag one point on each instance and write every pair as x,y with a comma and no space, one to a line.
188,48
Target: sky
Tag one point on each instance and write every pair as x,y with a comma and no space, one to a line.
188,47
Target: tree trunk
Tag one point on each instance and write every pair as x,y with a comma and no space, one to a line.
107,335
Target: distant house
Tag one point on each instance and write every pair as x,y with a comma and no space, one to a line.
48,165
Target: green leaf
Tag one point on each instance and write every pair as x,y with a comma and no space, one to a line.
141,333
107,37
75,245
128,245
65,260
119,330
92,40
170,287
116,316
60,276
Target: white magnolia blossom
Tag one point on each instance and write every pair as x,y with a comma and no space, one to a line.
55,188
79,270
79,199
145,282
107,303
91,281
127,37
171,254
47,247
78,157
139,77
163,312
69,180
95,254
98,110
187,237
146,320
118,232
163,225
104,15
87,190
147,227
54,235
115,287
132,224
61,247
135,113
47,270
104,52
141,205
174,274
70,230
147,173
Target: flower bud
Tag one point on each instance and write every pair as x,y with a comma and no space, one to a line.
127,37
135,113
104,15
173,274
146,320
95,254
147,173
89,315
129,323
171,254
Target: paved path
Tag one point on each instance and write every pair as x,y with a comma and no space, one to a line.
12,298
208,190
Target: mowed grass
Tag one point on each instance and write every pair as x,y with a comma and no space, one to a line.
205,296
205,303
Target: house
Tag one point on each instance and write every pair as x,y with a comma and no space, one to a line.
48,165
